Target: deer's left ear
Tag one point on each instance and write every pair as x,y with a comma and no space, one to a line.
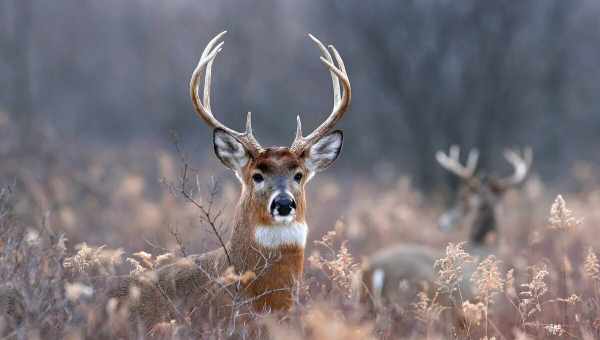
324,152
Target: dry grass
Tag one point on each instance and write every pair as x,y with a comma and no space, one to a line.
63,233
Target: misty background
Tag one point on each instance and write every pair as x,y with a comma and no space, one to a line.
425,74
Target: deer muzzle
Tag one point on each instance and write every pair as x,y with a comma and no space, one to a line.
283,206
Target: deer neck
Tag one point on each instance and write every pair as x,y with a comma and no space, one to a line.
275,253
252,240
484,225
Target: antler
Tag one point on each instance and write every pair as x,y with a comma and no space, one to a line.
521,165
451,162
340,105
203,107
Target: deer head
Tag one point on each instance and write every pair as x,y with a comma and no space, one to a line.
274,178
478,195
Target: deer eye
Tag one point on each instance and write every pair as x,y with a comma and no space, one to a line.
258,178
298,177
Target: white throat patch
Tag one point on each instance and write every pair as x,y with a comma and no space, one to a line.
273,236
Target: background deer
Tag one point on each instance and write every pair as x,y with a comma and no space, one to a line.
408,268
477,200
269,227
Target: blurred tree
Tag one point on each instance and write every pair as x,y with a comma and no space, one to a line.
17,49
425,74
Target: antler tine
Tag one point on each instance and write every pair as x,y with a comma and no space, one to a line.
451,162
340,102
454,153
203,106
325,53
472,160
521,165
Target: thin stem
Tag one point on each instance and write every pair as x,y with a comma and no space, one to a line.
564,274
206,213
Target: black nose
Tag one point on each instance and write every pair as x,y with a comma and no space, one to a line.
283,204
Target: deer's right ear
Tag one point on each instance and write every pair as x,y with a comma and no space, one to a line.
230,151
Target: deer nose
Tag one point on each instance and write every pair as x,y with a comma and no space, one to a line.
282,205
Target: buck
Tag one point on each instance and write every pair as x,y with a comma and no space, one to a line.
269,228
479,196
411,266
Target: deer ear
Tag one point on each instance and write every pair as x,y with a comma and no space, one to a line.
324,152
229,150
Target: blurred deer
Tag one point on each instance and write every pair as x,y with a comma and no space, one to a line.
386,272
478,197
269,228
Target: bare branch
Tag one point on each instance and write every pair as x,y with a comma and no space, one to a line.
206,212
180,243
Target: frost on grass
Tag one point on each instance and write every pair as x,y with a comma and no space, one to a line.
561,218
93,260
473,312
427,310
142,262
591,266
488,279
525,307
338,265
450,268
533,292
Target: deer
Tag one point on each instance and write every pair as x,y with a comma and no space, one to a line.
269,227
411,266
479,196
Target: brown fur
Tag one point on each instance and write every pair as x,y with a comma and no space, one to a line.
276,270
274,161
194,281
279,277
410,272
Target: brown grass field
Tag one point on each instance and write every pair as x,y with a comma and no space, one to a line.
69,223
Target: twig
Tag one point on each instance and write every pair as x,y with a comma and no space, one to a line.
180,243
154,245
206,212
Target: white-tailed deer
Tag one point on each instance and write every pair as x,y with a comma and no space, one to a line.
404,268
478,196
269,227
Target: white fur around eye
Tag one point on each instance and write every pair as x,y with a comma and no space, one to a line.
259,186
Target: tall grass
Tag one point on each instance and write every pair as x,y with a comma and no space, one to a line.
68,228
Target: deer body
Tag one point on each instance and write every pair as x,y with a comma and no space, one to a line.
192,280
411,267
397,271
269,229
